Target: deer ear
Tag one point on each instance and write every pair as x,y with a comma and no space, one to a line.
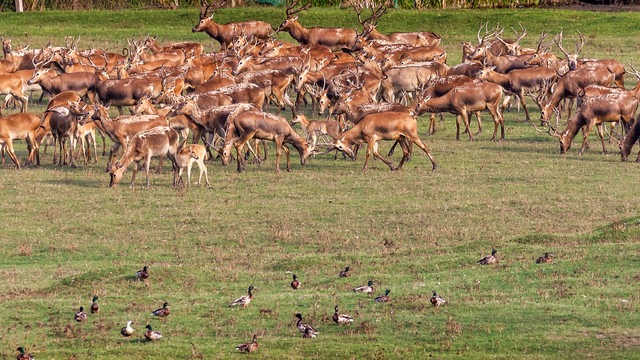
493,68
295,18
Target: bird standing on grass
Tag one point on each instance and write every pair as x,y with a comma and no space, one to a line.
152,335
489,259
295,284
250,346
23,355
545,259
341,319
80,316
127,330
384,298
95,308
244,300
143,274
436,300
304,328
365,288
163,312
344,273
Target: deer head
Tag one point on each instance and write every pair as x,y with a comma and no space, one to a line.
572,59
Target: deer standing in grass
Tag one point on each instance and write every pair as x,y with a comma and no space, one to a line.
158,141
187,156
16,127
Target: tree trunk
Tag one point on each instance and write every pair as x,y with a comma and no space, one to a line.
19,6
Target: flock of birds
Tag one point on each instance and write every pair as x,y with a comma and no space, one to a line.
308,331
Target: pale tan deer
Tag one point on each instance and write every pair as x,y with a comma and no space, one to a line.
318,127
187,156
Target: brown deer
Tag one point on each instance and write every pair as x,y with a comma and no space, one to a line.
630,140
465,99
519,80
246,125
121,129
16,127
595,111
318,127
335,39
82,83
225,34
11,85
274,83
439,88
397,126
188,46
158,141
185,159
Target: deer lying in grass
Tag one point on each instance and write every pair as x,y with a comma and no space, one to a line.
246,125
382,126
187,156
20,126
158,141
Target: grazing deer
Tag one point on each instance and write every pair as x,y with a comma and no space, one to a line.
465,99
187,156
596,111
16,127
158,141
382,126
630,140
246,125
335,39
227,33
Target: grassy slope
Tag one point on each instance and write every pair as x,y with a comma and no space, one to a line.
65,236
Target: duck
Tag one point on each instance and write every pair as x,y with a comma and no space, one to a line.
244,300
23,355
95,308
295,284
151,334
384,298
163,312
547,258
365,288
304,328
436,300
344,273
250,346
489,259
308,334
80,316
341,319
127,330
143,274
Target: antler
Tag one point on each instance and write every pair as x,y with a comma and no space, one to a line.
206,8
558,41
487,35
520,37
582,41
542,37
634,72
290,11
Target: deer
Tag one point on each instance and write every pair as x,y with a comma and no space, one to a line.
465,99
245,125
569,86
186,157
519,80
11,85
188,46
318,127
157,141
596,111
274,83
405,79
17,127
246,93
486,43
182,124
630,140
121,129
417,38
513,48
439,88
63,127
382,126
334,38
82,83
84,133
225,34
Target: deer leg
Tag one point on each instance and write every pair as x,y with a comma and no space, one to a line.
479,123
497,120
278,141
569,108
159,171
95,146
524,104
404,145
264,145
146,169
416,140
370,144
432,124
465,119
72,146
585,136
12,154
393,148
505,102
240,158
288,153
377,154
133,175
600,130
62,157
458,127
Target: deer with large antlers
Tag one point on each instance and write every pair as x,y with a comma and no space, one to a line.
226,34
595,111
334,38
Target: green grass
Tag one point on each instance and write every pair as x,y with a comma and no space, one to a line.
66,236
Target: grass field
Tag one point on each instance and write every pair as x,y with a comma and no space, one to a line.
66,236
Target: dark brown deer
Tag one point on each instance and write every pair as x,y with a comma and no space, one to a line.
226,34
335,38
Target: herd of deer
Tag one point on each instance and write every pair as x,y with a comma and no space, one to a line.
374,85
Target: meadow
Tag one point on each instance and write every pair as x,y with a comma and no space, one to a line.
65,236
